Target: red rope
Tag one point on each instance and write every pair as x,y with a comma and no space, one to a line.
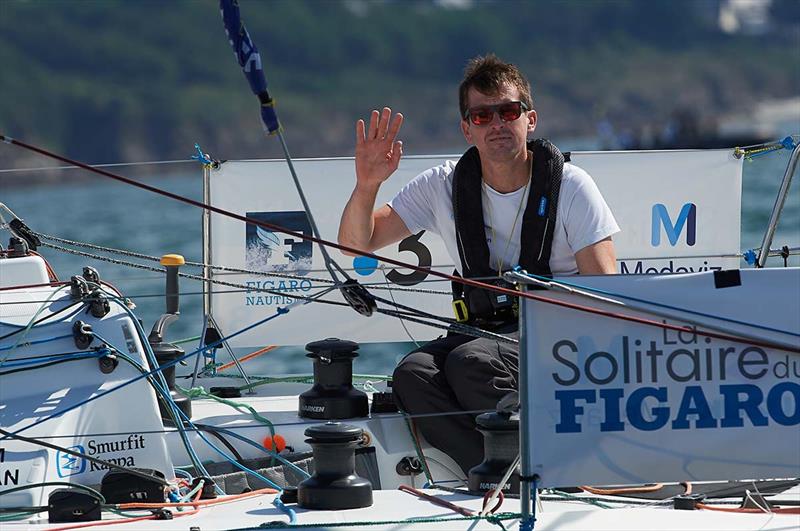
452,278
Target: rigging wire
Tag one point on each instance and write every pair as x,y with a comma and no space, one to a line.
274,227
111,165
418,314
224,269
276,424
433,272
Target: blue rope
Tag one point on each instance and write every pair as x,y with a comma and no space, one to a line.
61,319
667,306
35,342
272,454
69,356
182,473
235,463
288,510
200,156
160,386
145,375
162,389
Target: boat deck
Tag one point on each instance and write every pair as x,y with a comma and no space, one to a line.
391,510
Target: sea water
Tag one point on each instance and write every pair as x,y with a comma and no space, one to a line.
89,208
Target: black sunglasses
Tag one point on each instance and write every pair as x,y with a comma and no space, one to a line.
508,112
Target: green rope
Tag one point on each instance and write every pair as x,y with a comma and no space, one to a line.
417,448
200,392
19,516
264,380
496,519
25,514
185,340
590,501
55,484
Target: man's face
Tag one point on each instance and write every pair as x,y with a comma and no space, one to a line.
498,140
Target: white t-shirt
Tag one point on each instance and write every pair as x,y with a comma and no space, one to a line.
583,217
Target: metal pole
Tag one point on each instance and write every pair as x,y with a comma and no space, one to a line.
207,272
314,230
207,258
525,414
227,346
778,207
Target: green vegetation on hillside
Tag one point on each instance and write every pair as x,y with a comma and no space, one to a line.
114,80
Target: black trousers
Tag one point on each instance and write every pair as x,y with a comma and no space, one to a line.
454,374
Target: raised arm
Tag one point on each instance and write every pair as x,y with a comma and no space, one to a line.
378,154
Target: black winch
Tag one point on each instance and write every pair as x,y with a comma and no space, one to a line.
332,395
166,353
334,485
17,248
500,431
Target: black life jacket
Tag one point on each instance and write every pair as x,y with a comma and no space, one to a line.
538,224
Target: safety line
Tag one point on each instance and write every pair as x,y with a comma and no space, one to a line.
319,241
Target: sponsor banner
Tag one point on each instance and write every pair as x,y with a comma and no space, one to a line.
615,402
679,211
264,190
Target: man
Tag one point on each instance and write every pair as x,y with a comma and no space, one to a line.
507,202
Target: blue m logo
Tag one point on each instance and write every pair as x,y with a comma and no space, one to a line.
687,217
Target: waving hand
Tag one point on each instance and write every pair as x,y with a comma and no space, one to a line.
377,150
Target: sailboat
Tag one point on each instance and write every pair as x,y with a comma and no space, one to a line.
663,397
673,390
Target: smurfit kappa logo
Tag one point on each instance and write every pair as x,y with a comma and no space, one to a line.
70,465
687,218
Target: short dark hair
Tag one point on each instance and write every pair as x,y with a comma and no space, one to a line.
487,74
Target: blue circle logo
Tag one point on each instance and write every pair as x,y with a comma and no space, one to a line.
364,265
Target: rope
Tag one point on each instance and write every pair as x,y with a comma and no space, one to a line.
200,392
660,305
623,490
450,324
213,267
204,158
417,448
495,519
751,152
387,416
187,275
157,259
147,374
264,380
112,165
456,326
